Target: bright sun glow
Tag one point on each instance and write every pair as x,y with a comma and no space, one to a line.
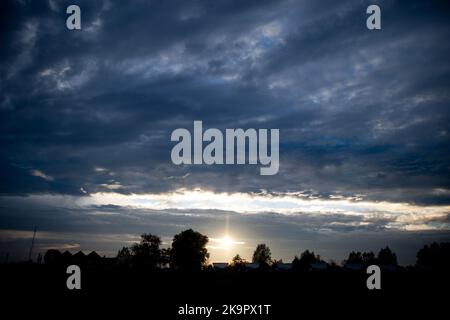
226,242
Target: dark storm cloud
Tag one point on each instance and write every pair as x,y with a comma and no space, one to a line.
361,113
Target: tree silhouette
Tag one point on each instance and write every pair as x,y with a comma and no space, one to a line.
387,257
366,258
369,258
305,261
238,263
147,252
188,251
165,257
124,257
435,256
262,255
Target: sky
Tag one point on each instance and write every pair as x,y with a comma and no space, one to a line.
86,117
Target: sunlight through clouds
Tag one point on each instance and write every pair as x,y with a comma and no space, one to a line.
403,214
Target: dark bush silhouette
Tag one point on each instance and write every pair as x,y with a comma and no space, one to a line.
364,258
387,257
238,264
147,253
304,262
124,257
165,257
434,256
188,251
369,258
262,255
52,257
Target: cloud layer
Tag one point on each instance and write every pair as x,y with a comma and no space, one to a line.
363,116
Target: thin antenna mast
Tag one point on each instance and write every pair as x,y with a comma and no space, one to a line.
32,244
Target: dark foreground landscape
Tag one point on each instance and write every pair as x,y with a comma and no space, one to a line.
174,282
159,294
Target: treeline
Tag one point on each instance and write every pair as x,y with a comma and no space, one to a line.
188,252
